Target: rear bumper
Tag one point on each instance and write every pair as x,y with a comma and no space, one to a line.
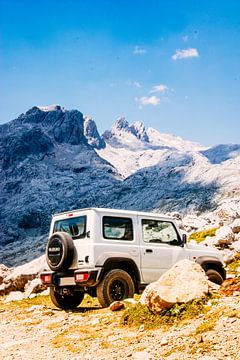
78,278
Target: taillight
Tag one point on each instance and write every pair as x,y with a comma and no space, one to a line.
82,277
46,278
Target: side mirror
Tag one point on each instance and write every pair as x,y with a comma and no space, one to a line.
184,238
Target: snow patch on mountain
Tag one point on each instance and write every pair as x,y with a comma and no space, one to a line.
133,147
50,108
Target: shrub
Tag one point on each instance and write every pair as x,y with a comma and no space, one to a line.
199,236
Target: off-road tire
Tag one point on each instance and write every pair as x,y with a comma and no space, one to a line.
61,259
66,302
214,276
116,285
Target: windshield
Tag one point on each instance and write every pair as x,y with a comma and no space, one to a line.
76,227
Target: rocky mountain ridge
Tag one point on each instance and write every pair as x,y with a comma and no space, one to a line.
54,159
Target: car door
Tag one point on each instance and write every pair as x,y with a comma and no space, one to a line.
160,247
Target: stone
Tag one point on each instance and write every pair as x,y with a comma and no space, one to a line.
14,296
164,342
209,241
4,272
228,256
141,355
235,226
236,246
34,287
184,282
20,275
116,306
224,235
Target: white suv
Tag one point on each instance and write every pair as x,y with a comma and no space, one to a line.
113,254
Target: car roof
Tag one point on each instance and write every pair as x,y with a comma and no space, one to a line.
115,211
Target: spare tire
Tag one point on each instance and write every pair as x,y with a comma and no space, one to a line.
60,251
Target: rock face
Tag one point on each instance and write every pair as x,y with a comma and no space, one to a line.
48,164
92,135
184,282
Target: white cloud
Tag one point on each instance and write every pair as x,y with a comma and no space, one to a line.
139,50
148,100
187,53
159,89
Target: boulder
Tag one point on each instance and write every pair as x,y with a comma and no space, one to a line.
224,235
210,241
225,214
194,222
14,296
184,282
34,287
236,246
4,272
228,256
235,226
18,278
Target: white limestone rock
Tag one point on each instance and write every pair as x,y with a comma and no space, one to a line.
185,281
14,296
235,226
224,235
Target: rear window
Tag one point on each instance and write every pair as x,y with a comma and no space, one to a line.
117,228
76,227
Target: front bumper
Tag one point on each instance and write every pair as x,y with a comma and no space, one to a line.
78,278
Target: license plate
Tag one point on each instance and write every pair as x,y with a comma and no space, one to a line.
67,281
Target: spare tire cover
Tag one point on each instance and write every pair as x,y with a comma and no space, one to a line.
60,251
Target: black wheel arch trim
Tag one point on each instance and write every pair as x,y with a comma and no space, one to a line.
211,262
122,263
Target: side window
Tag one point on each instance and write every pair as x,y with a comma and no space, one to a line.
76,227
117,228
157,231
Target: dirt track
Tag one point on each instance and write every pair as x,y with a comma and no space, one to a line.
34,329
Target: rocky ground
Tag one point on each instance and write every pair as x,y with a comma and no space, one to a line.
35,329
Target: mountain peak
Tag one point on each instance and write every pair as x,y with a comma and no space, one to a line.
121,124
91,133
138,129
122,129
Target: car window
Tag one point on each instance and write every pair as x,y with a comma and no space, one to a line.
158,231
76,227
117,228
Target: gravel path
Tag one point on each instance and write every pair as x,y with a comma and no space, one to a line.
30,330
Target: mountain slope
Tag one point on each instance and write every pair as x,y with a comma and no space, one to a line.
52,160
47,166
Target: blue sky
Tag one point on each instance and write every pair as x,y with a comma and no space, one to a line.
175,65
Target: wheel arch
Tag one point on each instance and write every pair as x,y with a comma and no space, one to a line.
210,262
125,264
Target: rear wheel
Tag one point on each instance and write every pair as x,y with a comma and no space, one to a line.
116,285
66,302
214,276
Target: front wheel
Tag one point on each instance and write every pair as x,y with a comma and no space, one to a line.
66,302
116,285
214,276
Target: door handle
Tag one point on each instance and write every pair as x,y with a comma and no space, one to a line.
149,251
